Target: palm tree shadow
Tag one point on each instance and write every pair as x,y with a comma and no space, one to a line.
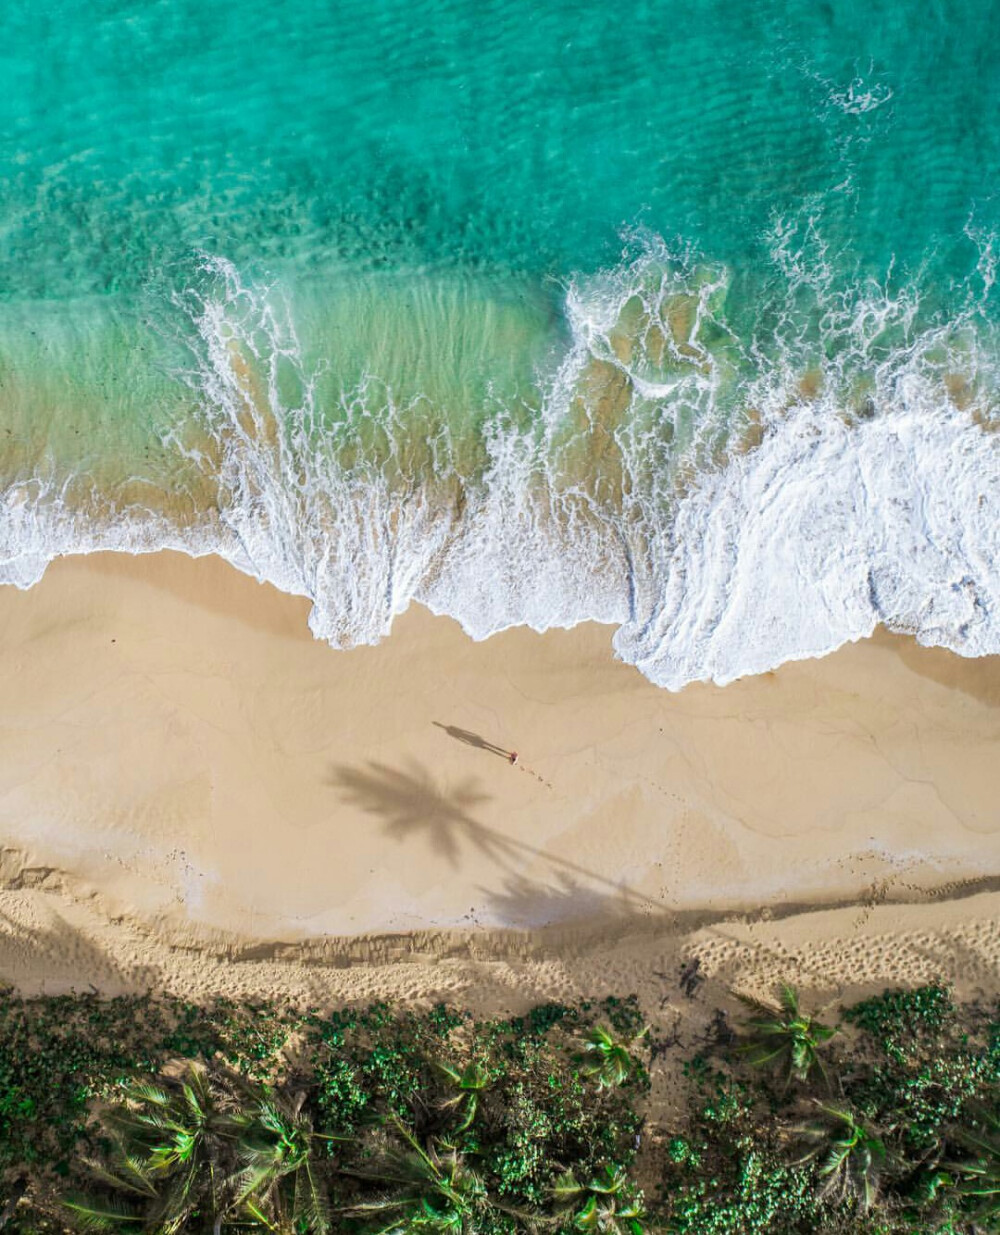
563,899
63,955
409,803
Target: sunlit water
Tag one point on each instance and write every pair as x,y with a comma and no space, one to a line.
681,316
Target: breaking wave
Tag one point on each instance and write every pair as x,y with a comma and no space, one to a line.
731,487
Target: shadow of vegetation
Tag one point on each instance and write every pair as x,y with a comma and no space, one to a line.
57,957
409,803
565,901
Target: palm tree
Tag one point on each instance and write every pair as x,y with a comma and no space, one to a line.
852,1156
431,1190
611,1062
606,1202
976,1175
470,1082
205,1150
166,1155
277,1184
784,1037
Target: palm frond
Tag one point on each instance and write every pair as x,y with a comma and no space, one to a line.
101,1214
146,1090
310,1207
566,1188
784,1037
788,998
451,1072
259,1217
124,1173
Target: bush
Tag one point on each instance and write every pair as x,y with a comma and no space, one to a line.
921,1080
536,1112
501,1124
900,1020
503,1104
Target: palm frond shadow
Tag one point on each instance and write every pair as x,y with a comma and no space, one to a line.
563,900
410,804
956,962
65,955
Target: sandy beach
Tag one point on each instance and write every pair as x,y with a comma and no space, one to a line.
188,779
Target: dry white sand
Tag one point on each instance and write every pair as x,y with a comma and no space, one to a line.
195,794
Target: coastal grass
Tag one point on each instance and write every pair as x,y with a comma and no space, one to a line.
155,1114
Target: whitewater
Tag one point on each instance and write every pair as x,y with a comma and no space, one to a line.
685,324
726,505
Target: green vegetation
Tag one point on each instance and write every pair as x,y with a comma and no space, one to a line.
610,1061
852,1156
208,1146
605,1202
153,1115
784,1038
888,1128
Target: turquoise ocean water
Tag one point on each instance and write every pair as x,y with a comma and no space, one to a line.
677,316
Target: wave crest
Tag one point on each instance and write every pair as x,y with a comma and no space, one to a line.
729,498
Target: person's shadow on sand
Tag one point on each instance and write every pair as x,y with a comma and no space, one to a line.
474,739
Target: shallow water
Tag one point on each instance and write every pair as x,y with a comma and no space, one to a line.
682,319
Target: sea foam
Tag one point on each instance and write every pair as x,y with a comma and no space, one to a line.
820,534
723,513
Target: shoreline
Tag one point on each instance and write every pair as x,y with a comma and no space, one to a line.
178,744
